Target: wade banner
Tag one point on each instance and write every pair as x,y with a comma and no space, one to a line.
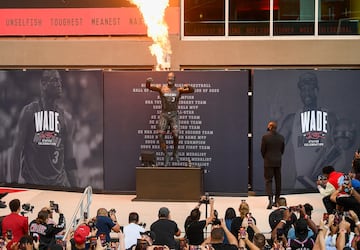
79,21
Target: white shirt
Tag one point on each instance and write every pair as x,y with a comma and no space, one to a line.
132,233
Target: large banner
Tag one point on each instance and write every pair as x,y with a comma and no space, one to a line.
213,123
51,128
316,112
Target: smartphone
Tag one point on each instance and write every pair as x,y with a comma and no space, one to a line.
9,235
242,232
279,233
85,215
102,239
249,218
325,217
93,241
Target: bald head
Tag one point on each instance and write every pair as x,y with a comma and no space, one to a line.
272,126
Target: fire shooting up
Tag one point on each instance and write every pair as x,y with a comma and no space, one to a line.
153,12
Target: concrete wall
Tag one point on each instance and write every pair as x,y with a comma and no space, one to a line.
133,52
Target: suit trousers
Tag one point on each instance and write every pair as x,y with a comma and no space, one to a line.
271,173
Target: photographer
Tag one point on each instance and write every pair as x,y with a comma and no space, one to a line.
346,196
194,227
45,231
105,222
14,226
327,183
133,230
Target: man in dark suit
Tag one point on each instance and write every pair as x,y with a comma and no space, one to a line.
272,149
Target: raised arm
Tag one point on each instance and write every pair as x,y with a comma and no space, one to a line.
186,89
149,85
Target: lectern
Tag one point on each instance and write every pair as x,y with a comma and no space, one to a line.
169,183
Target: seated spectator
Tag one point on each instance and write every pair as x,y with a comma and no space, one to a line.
243,220
165,229
105,222
15,223
45,231
216,238
132,231
327,184
194,227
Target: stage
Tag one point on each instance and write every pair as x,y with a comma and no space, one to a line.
148,210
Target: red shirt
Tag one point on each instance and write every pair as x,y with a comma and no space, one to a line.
18,224
334,177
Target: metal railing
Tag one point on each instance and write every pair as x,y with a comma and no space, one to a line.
81,211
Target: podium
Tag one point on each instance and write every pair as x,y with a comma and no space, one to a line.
169,183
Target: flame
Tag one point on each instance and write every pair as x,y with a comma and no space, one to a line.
153,12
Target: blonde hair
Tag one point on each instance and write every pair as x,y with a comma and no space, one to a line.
102,212
244,209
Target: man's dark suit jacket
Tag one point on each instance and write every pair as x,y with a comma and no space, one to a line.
272,148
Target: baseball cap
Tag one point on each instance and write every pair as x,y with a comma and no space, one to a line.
164,212
150,234
81,233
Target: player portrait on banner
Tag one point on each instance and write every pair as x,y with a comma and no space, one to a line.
317,133
53,139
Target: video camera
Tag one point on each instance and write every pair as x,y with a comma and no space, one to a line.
206,200
54,206
27,208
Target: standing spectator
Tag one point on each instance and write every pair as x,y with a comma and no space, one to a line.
272,149
43,150
282,218
165,229
243,220
216,238
105,222
132,231
194,227
45,231
230,214
14,222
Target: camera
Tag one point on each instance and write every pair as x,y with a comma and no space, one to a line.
142,224
111,211
27,208
9,234
91,224
206,200
295,208
216,220
54,206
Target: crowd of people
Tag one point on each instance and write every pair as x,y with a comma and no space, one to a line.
292,227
